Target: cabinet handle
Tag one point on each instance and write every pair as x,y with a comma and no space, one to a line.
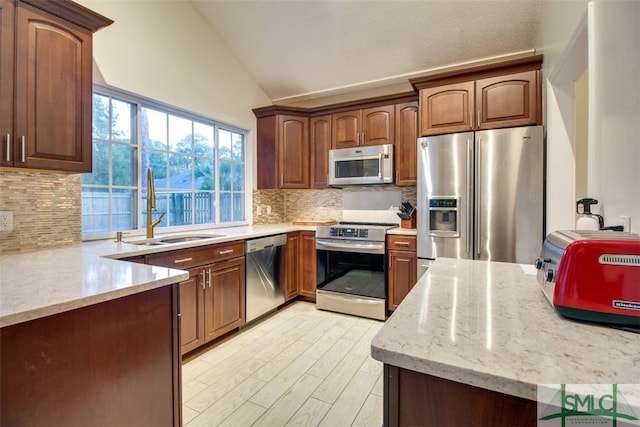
470,119
281,180
24,148
209,270
390,258
401,243
228,251
478,121
204,280
178,261
362,138
8,147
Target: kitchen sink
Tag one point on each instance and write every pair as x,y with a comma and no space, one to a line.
188,238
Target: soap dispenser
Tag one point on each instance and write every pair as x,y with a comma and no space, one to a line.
588,220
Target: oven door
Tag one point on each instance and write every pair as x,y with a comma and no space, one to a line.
351,277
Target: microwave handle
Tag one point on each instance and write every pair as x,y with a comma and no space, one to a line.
381,166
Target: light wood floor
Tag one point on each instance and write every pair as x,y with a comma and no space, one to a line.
300,366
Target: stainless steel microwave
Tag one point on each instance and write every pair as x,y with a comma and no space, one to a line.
362,165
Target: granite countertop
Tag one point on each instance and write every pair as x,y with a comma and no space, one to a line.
34,284
488,325
403,231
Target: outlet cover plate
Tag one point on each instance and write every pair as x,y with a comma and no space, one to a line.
6,221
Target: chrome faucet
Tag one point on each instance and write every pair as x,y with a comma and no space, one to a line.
151,205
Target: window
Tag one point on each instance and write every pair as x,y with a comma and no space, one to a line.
198,167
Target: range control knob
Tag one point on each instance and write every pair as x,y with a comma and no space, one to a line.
550,275
540,263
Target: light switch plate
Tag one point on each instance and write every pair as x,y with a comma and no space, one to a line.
6,221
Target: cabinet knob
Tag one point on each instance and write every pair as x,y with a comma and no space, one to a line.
8,147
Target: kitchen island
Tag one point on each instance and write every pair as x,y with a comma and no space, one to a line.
473,339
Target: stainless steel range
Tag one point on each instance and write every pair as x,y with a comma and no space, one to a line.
352,268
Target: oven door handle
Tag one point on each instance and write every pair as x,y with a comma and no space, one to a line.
355,247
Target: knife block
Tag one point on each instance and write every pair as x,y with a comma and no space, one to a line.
408,223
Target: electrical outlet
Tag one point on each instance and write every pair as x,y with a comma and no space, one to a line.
268,209
259,210
6,221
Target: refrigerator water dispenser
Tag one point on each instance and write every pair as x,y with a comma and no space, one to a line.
444,220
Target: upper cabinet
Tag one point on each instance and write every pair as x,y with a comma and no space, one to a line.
406,147
283,152
369,126
46,84
319,144
506,94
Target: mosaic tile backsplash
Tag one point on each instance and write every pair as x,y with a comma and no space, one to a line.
46,209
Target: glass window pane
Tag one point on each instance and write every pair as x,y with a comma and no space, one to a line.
121,117
180,169
154,129
180,132
123,215
123,164
225,207
100,117
180,208
238,147
238,207
238,177
203,208
156,160
204,173
203,139
95,210
224,144
225,176
100,161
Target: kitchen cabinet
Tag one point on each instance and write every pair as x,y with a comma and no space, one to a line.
368,126
46,104
319,143
308,264
212,300
406,132
402,271
113,363
490,96
292,272
283,151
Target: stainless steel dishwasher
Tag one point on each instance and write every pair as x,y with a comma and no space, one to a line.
264,275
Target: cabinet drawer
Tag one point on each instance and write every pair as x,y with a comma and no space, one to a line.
193,257
395,241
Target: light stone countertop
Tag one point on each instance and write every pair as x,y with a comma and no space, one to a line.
403,231
487,324
39,283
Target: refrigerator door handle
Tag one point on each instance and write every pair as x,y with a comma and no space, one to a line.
469,210
478,197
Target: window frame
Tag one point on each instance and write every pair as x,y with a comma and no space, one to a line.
138,102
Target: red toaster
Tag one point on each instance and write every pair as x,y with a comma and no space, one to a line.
592,276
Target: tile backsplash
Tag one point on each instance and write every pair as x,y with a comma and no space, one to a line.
46,209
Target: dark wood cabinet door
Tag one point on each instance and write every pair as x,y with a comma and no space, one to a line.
406,144
378,125
345,129
292,278
53,91
319,143
447,109
192,310
224,296
402,276
6,82
294,152
307,256
507,101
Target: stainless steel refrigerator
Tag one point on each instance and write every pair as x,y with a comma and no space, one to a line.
481,195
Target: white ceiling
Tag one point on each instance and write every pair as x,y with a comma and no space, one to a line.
298,50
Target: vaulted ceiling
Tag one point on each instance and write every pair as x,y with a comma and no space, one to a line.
298,50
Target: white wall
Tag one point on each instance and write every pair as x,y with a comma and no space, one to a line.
614,106
166,51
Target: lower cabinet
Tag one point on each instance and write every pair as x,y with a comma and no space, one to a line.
402,270
308,264
212,300
292,282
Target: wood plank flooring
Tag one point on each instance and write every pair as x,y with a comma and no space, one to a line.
299,367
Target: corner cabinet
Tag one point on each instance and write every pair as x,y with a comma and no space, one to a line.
492,96
45,106
403,268
283,152
212,300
